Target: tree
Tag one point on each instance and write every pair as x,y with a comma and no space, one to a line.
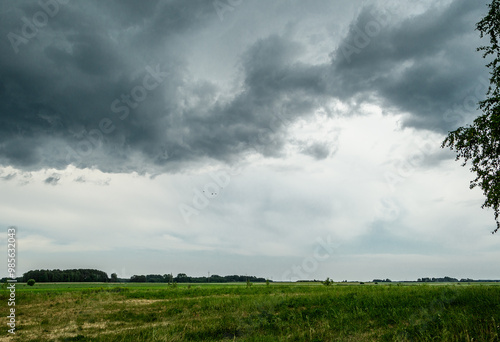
328,282
138,279
480,142
31,282
182,278
114,277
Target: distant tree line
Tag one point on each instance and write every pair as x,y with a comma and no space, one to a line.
452,280
59,276
382,280
183,278
92,275
437,280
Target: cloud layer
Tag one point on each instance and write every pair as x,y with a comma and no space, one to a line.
110,86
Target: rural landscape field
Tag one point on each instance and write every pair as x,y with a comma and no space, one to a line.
259,312
260,147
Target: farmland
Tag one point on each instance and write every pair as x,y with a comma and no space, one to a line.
275,312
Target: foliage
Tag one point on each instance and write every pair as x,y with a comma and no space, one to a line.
480,142
184,278
74,275
382,280
328,282
31,282
138,279
445,279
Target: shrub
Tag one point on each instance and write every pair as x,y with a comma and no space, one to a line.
328,282
31,282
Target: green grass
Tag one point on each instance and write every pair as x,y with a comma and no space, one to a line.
279,312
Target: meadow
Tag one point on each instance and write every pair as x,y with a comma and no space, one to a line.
237,312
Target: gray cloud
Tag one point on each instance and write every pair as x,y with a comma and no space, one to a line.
81,89
83,179
318,150
22,178
9,176
379,239
422,65
80,179
52,180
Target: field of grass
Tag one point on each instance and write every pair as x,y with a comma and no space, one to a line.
278,312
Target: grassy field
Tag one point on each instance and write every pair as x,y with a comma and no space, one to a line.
278,312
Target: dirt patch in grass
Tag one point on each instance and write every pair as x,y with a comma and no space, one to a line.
143,301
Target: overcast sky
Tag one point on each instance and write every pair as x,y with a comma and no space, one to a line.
285,139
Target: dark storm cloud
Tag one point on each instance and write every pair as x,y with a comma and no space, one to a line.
422,65
276,92
85,101
60,79
107,84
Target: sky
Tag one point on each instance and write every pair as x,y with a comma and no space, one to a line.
286,139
